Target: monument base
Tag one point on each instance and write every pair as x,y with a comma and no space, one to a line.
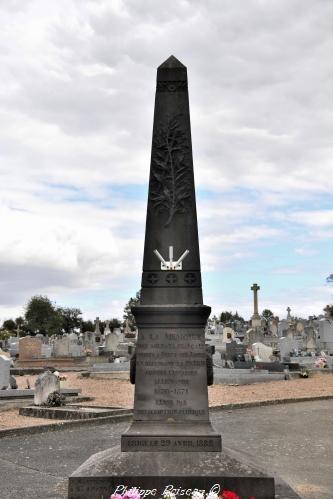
170,437
106,472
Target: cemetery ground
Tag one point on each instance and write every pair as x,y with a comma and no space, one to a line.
295,440
120,393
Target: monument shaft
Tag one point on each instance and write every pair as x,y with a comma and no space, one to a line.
171,396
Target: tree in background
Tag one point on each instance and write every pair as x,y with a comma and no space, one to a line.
9,325
87,326
226,317
267,314
12,326
329,310
329,278
114,323
41,316
71,318
4,335
128,316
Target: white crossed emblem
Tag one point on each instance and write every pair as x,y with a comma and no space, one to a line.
171,265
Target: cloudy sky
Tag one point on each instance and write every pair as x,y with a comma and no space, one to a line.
76,109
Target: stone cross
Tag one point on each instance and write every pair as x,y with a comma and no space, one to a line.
255,288
97,332
288,310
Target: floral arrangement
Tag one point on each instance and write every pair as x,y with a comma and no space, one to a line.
196,494
321,362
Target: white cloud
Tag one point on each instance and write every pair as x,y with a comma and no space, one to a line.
318,218
76,116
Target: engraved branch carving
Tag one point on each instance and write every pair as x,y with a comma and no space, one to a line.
170,189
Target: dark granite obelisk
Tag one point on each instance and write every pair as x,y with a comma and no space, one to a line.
171,396
170,440
171,214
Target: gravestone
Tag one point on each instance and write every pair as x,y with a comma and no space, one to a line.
235,351
90,343
285,347
13,346
112,341
282,327
46,351
61,347
228,334
325,330
30,348
46,383
262,352
171,439
5,363
237,354
107,329
75,346
98,334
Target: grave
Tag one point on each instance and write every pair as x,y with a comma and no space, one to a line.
61,347
262,352
237,353
73,412
5,363
30,348
112,341
98,334
171,440
285,347
68,346
326,334
46,383
228,334
256,319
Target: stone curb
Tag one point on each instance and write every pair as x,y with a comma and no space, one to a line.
259,403
31,430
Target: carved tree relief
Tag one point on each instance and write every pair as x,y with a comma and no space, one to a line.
170,190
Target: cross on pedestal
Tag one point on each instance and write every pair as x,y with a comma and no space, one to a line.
255,288
97,330
288,310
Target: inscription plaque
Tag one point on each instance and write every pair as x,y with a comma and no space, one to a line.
171,375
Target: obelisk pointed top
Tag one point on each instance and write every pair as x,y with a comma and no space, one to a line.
172,63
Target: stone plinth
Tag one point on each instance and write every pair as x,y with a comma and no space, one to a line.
100,475
171,397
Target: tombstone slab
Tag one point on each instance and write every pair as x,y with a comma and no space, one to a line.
30,348
46,383
112,341
5,363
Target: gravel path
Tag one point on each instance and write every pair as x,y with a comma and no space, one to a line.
120,393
